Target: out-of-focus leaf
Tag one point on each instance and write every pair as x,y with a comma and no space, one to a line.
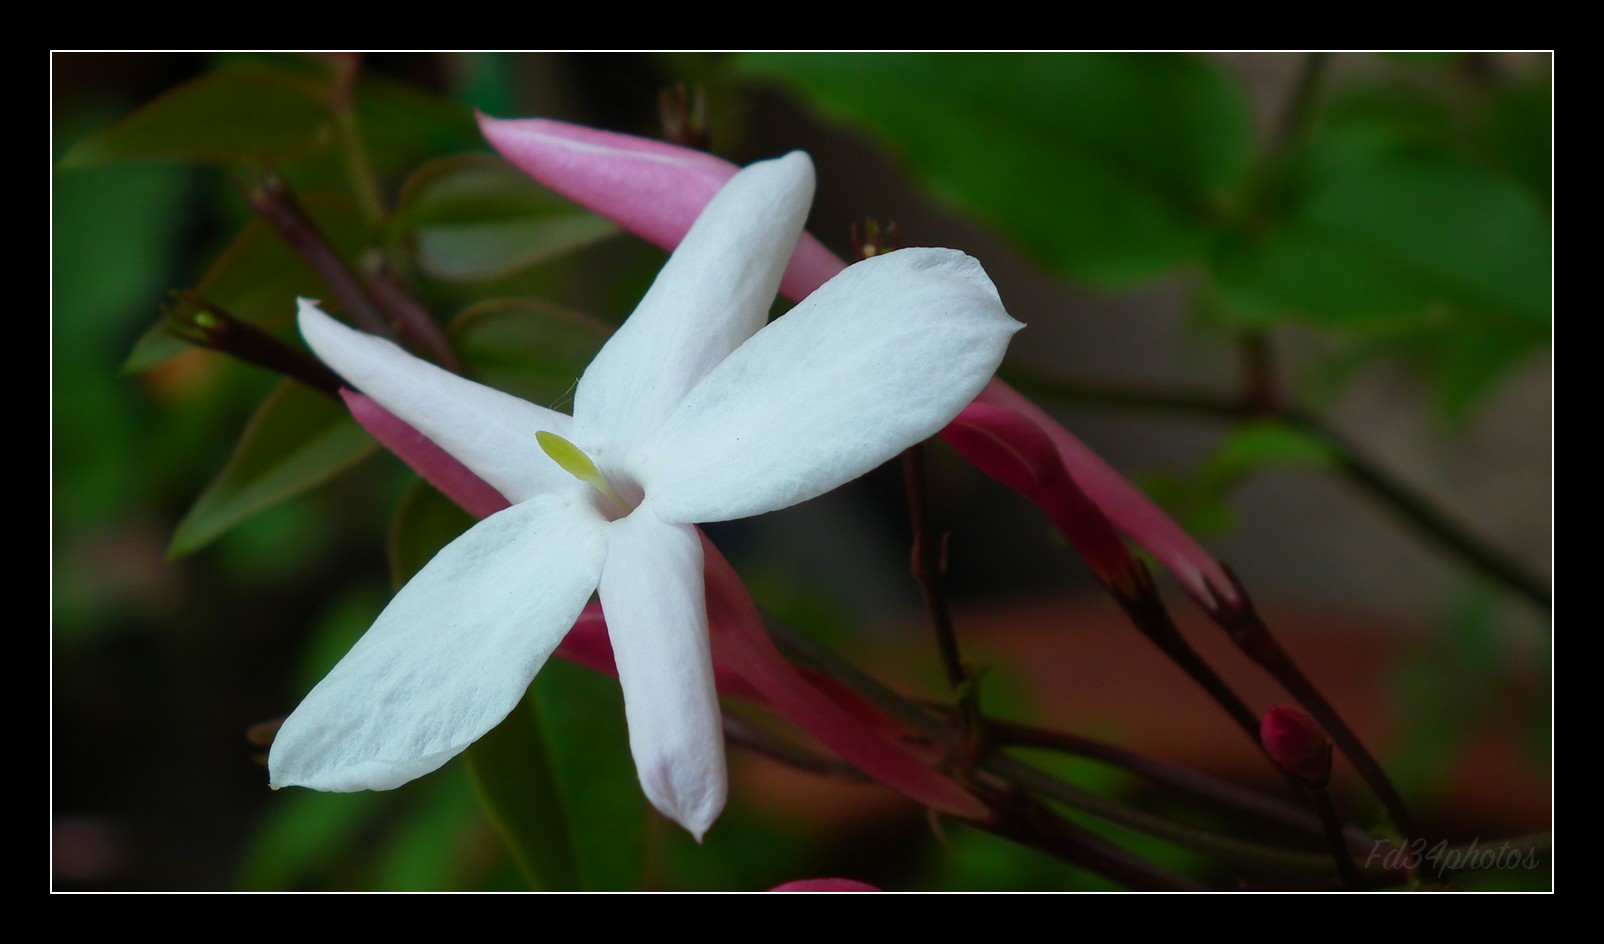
1196,502
297,439
403,126
258,277
1522,136
530,349
226,115
305,836
1201,502
426,522
114,238
1255,445
1392,239
518,789
474,217
1432,59
441,844
1108,167
588,745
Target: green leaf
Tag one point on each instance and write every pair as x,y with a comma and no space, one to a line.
1255,445
425,522
438,845
1394,239
1108,167
530,349
1522,136
518,788
298,439
258,277
1393,215
588,744
226,115
474,217
403,126
305,835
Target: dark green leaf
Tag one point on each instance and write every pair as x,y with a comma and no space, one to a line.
258,277
1379,240
403,126
245,112
1522,136
1255,445
531,349
588,744
438,845
298,439
1109,167
473,218
518,789
426,522
304,835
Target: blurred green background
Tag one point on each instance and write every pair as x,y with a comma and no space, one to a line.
1371,231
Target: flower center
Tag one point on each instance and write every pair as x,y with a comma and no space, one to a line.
573,460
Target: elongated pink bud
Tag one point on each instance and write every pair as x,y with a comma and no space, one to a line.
1124,504
824,885
741,642
437,467
1297,744
656,191
1018,453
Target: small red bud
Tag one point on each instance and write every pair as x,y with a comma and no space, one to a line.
1295,742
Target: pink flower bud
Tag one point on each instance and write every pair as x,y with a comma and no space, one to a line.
824,885
1296,743
1015,451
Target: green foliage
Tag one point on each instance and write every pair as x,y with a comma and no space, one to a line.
1411,227
471,218
298,439
518,790
531,349
1410,219
1371,238
258,278
1200,502
425,522
1110,168
112,242
252,111
1253,446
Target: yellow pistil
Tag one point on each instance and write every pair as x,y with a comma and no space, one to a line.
573,460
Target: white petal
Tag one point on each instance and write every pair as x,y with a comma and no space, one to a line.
451,655
655,601
879,358
713,294
490,432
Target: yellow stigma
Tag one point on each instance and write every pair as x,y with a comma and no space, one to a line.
573,460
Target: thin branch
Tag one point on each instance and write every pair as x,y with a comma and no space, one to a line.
273,201
1243,624
205,324
744,733
929,567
